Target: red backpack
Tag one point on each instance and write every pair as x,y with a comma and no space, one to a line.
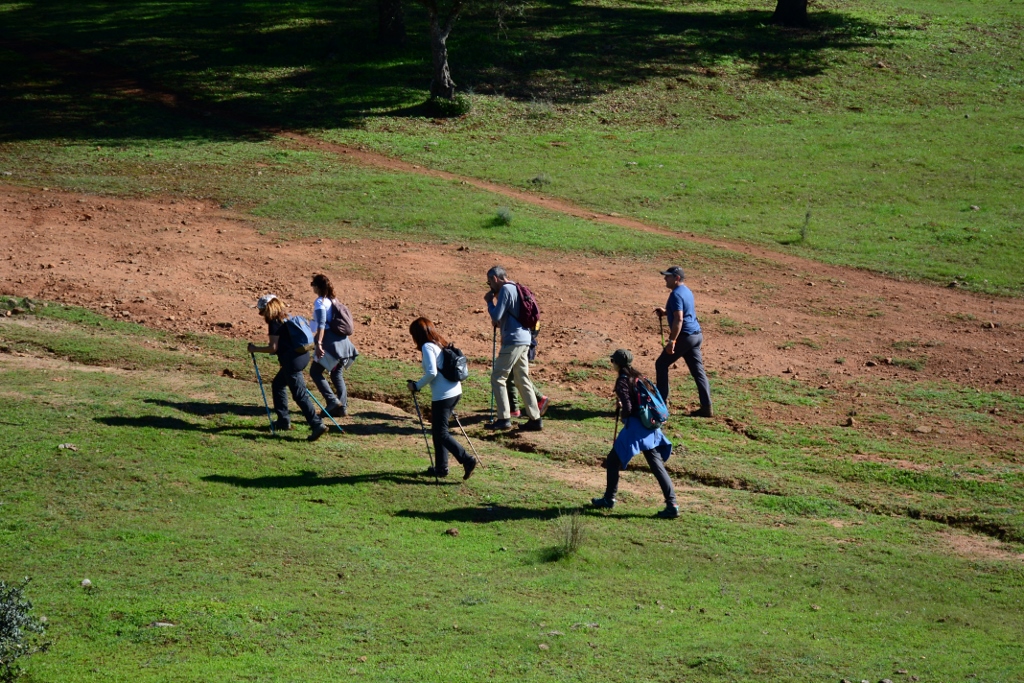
529,312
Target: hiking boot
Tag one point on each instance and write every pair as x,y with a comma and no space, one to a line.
670,512
532,426
433,472
336,411
703,412
517,413
281,425
468,468
542,405
602,502
318,432
498,425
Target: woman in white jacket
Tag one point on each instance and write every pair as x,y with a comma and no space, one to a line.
444,395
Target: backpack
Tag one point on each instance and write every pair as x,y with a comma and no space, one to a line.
650,407
455,366
341,319
300,334
529,312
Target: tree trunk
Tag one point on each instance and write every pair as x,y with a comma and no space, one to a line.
390,22
442,84
790,13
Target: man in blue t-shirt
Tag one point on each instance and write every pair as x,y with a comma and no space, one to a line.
684,340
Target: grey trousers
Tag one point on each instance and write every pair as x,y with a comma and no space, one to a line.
657,465
687,348
316,373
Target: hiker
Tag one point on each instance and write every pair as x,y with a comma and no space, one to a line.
684,340
332,326
635,438
293,360
444,394
510,387
504,306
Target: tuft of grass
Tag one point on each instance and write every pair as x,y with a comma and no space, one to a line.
503,216
571,531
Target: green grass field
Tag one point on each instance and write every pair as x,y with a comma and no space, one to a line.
886,137
896,127
278,560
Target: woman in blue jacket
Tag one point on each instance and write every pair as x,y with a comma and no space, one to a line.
635,438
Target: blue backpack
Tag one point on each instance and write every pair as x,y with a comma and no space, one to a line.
300,334
651,406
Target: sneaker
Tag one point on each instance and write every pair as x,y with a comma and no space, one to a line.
670,512
543,404
468,467
337,411
532,426
498,425
433,472
282,425
517,413
318,432
602,502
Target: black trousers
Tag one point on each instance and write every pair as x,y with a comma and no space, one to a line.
444,442
657,465
688,348
287,378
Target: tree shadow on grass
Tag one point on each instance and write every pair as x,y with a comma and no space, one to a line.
310,479
104,71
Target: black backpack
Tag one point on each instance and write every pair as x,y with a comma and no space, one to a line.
455,366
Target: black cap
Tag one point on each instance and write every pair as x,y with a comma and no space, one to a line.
622,357
674,270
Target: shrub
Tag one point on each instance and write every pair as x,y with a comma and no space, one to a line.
444,108
19,631
504,216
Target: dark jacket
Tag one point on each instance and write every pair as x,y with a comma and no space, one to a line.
625,390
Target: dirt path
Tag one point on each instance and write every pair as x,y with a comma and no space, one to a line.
194,267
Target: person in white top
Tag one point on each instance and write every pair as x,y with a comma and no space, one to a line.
444,395
334,352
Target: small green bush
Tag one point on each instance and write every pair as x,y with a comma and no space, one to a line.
19,631
443,108
503,216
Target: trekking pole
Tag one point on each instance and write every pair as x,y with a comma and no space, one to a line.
260,380
331,417
475,454
661,328
494,358
615,434
424,430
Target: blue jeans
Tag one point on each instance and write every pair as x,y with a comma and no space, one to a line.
333,400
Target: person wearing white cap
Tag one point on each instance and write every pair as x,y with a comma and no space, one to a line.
684,340
293,362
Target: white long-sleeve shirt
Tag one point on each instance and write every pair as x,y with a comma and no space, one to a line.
440,386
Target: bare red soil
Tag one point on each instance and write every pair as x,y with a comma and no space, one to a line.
194,267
